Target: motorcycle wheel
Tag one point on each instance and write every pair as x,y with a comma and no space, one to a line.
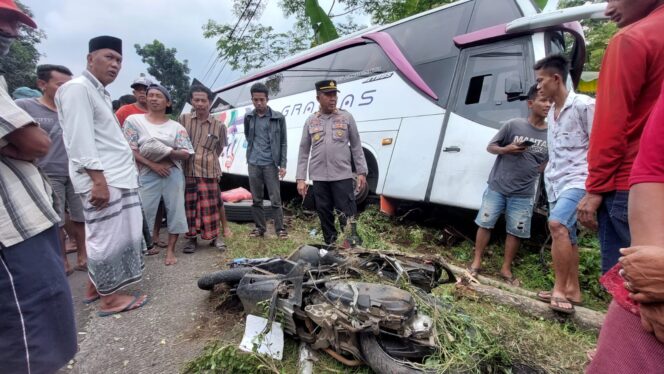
230,276
380,361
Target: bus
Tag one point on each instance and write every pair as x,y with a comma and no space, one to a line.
427,92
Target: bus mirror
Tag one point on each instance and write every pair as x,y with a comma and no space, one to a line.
513,89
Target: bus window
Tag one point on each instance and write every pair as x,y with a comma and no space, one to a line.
302,77
485,70
359,62
489,13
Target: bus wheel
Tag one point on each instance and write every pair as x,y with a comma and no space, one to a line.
361,195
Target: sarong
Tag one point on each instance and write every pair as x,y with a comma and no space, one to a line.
202,201
624,346
114,239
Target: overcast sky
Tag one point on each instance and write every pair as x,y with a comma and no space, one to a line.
69,24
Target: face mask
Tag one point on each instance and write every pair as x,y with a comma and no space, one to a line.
5,42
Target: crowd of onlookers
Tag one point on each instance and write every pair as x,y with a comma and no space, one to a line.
603,165
110,173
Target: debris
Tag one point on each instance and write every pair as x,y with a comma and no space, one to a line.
270,343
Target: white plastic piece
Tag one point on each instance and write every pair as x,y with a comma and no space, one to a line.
270,344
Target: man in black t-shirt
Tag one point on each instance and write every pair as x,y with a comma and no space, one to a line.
522,153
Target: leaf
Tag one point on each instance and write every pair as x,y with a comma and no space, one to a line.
541,3
324,30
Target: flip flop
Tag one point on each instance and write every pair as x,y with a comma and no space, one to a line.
129,307
91,300
161,244
153,251
512,281
558,308
545,296
69,272
474,272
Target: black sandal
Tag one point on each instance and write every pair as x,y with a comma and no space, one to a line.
282,234
256,233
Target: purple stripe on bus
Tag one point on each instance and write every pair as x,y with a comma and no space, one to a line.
387,44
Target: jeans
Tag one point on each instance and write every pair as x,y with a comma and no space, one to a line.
267,176
171,189
613,227
563,210
518,212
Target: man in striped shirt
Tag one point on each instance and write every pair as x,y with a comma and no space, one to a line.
37,329
203,202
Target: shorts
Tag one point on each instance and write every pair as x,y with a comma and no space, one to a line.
563,210
64,190
518,212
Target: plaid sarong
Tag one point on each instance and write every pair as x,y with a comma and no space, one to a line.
202,200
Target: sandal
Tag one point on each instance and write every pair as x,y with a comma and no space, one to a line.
474,272
153,251
557,301
282,234
512,281
161,244
545,296
256,233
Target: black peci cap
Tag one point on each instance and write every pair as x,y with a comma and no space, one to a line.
105,41
329,85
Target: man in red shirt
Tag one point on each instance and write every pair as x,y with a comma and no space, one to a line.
630,78
139,88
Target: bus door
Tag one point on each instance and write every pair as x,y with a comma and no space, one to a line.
478,105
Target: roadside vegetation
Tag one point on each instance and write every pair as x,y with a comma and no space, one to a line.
508,340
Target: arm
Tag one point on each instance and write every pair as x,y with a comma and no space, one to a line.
496,147
183,148
77,121
284,147
356,148
223,139
619,88
26,143
303,160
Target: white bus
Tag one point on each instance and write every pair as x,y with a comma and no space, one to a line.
427,92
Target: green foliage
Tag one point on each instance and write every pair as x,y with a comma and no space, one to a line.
541,3
229,359
324,30
259,46
20,64
169,71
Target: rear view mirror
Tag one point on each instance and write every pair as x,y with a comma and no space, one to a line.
514,89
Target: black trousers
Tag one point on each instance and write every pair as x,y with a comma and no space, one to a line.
329,196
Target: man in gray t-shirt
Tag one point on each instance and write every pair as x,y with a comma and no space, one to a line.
521,146
56,164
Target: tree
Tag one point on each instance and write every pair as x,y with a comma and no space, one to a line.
163,65
20,64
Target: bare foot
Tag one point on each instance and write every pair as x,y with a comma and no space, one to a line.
228,233
116,303
170,259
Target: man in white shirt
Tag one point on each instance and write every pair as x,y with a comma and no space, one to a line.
102,169
569,124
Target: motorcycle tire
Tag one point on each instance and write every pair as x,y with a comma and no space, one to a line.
381,362
230,276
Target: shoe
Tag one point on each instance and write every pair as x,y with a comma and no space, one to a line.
190,247
219,244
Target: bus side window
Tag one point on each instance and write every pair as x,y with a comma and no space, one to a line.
484,71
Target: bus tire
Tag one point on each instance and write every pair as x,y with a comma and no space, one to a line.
241,211
360,195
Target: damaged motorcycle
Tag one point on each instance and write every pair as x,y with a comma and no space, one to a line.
320,297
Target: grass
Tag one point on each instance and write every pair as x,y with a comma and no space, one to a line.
506,335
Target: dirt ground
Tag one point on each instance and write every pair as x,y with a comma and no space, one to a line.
159,337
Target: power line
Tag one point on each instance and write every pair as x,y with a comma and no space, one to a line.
230,36
258,4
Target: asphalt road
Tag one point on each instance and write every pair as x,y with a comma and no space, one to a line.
157,338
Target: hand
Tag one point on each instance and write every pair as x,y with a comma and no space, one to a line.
282,173
99,195
587,210
652,319
512,149
361,182
302,188
162,168
642,267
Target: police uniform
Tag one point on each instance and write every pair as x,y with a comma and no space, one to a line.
324,148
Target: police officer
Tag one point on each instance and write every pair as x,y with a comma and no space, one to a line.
324,147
